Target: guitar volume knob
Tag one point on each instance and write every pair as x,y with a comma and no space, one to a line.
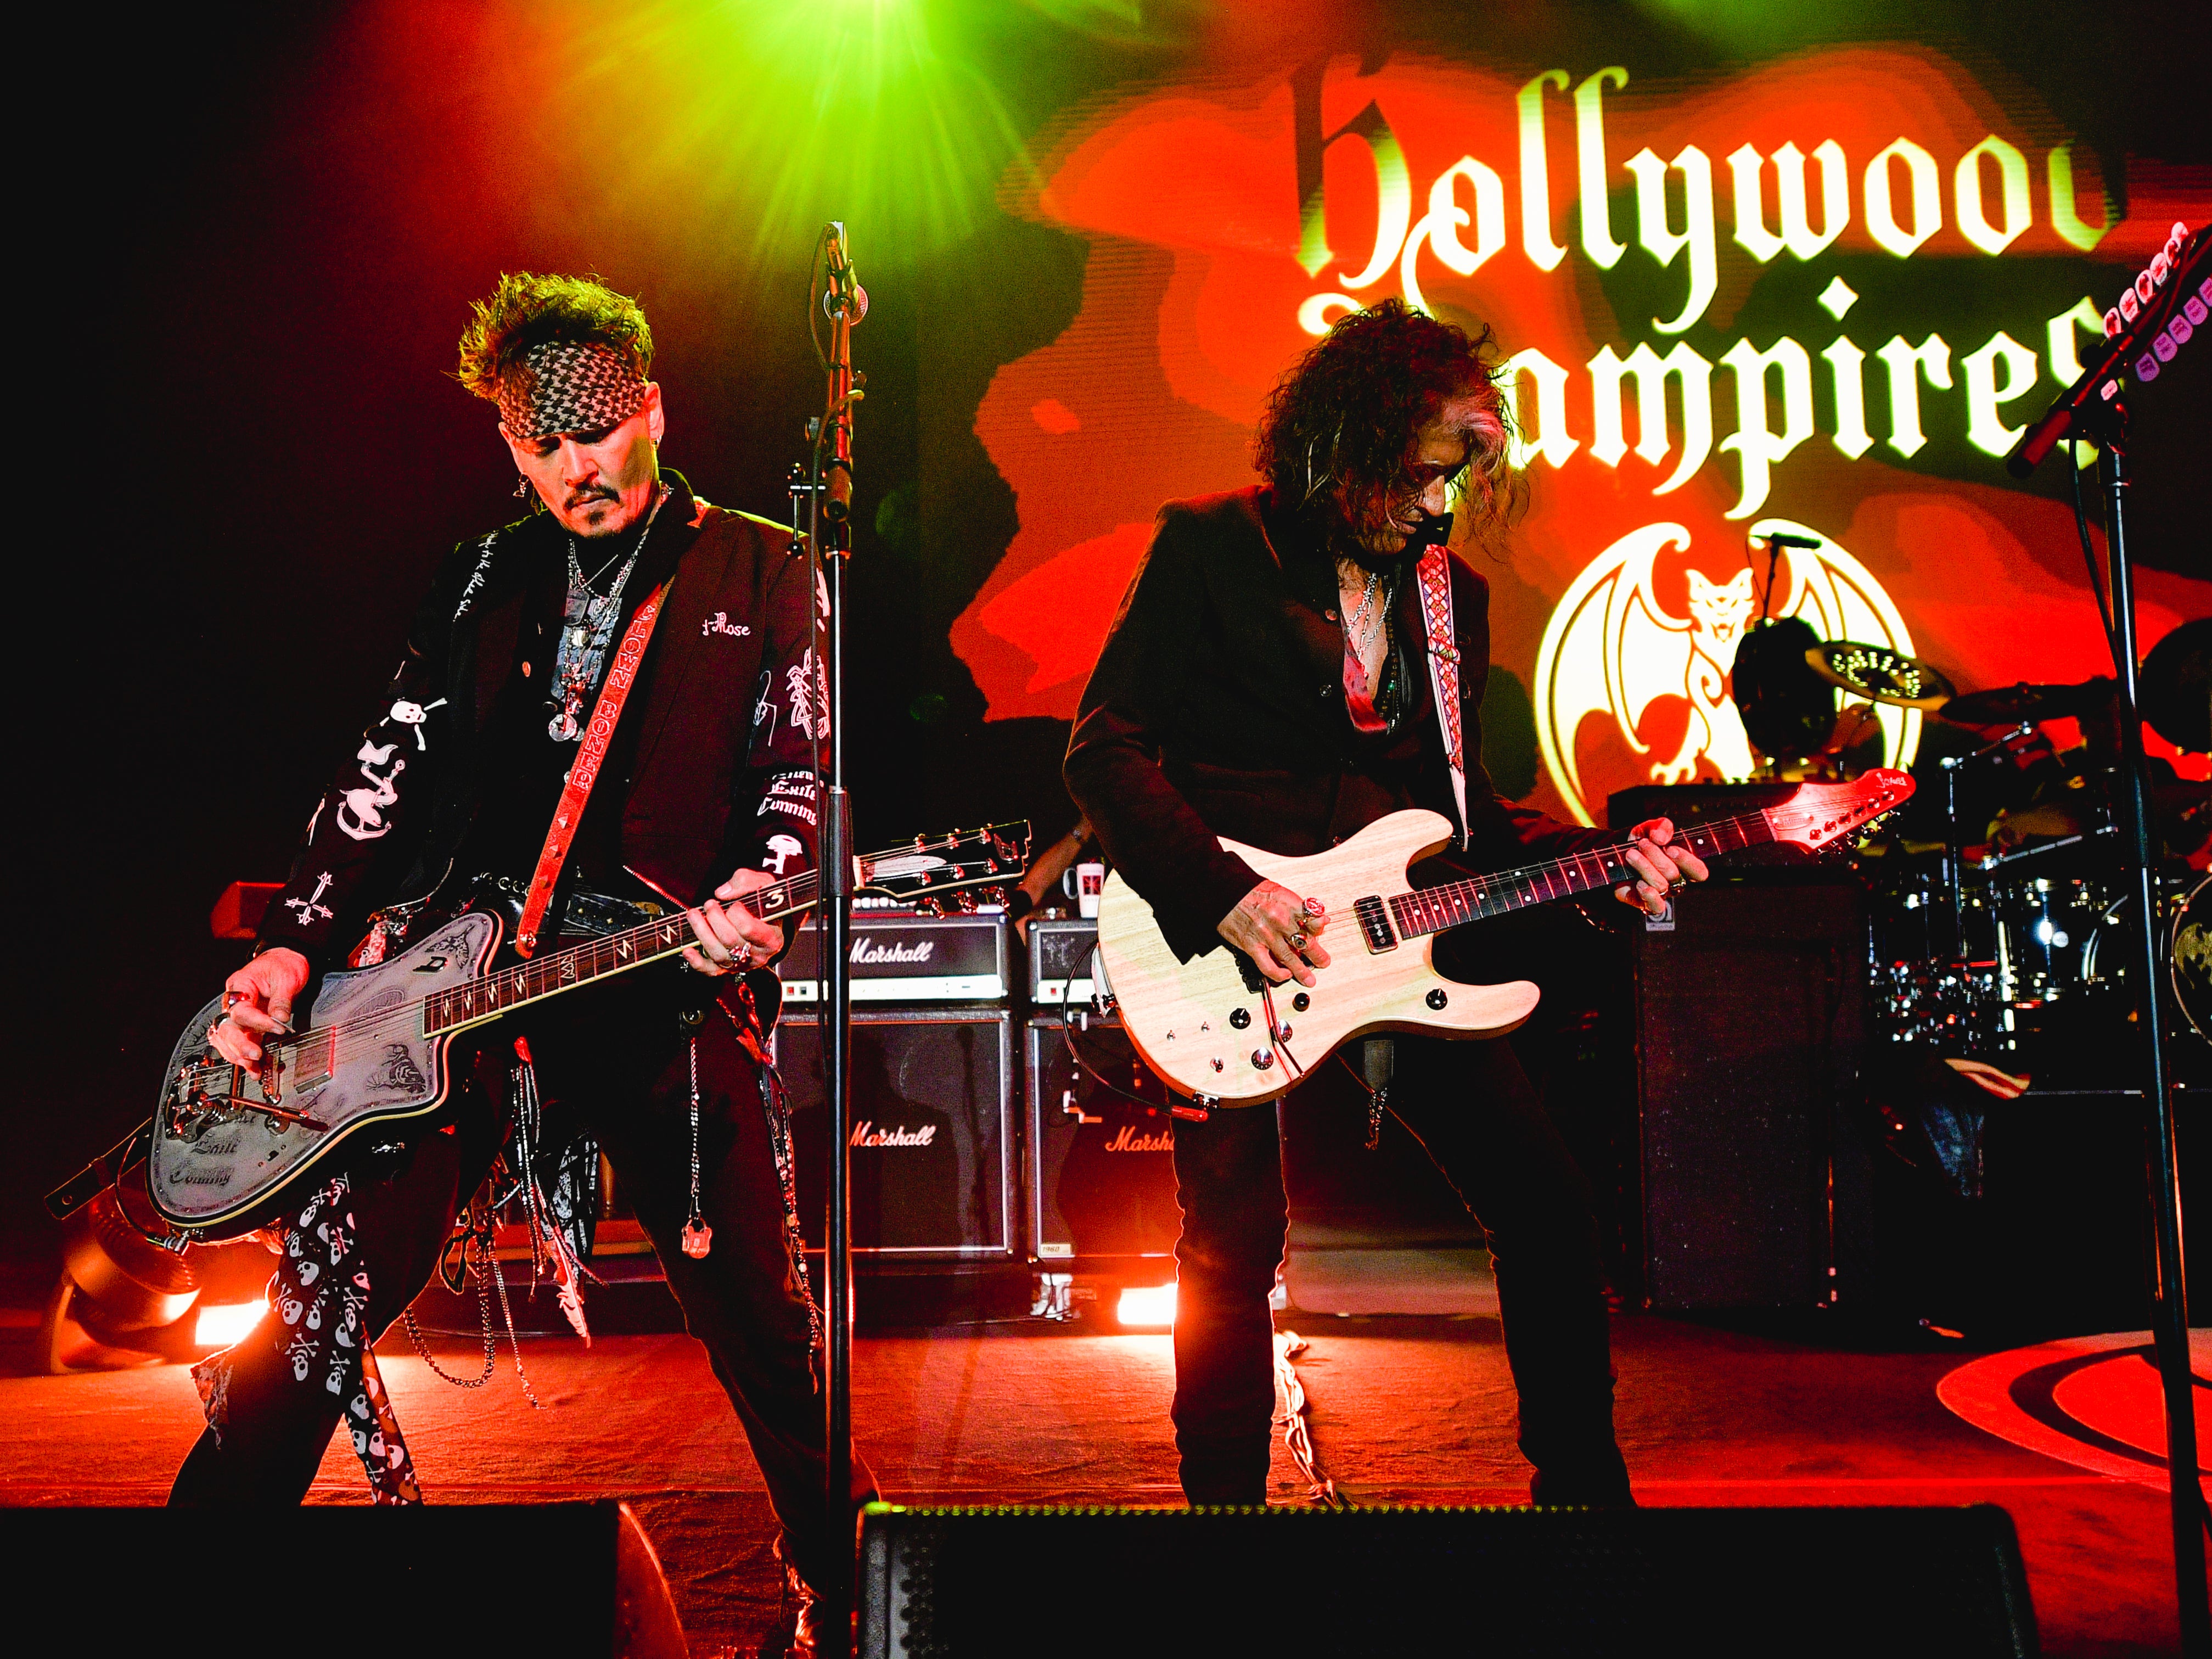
1263,1058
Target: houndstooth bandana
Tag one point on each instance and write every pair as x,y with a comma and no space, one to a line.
568,386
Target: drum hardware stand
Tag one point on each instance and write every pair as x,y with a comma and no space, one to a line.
2106,420
1954,841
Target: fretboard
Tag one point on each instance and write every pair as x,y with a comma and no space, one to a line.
1432,909
581,964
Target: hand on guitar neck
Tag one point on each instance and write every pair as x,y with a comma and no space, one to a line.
730,938
1281,931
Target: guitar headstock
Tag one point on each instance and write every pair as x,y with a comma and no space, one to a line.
931,864
1822,814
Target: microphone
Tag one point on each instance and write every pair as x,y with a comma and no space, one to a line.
844,301
1783,538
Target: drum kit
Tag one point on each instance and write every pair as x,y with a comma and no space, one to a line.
2009,940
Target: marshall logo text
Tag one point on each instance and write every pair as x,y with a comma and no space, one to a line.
866,951
1126,1139
865,1133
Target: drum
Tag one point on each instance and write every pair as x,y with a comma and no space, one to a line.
2039,932
2189,951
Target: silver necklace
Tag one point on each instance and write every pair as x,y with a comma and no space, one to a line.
587,629
1355,625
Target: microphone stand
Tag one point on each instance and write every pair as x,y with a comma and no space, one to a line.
2096,407
829,535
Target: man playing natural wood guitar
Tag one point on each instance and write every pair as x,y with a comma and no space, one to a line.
1269,680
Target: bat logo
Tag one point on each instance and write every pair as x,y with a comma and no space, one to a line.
1618,669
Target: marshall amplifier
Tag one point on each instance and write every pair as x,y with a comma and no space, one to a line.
1064,967
933,1134
908,959
1102,1168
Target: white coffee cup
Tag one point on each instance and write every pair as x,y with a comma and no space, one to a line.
1084,884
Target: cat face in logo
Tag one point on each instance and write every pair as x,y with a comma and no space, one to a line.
1719,612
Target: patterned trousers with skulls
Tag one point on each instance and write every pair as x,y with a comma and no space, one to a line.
625,1064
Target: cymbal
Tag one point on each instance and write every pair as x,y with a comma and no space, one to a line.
1879,674
2176,686
2008,705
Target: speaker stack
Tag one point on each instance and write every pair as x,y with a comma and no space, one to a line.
933,1137
1750,1053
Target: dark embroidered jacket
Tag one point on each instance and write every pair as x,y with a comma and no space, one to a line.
707,770
1216,708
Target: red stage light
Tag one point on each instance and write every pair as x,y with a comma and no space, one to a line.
1148,1307
220,1327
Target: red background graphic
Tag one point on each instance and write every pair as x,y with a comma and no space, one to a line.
1188,199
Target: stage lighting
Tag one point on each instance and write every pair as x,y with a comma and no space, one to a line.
220,1326
1146,1307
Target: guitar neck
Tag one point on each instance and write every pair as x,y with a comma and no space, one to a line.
1432,909
479,999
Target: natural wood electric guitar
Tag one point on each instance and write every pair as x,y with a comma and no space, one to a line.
230,1146
1215,1029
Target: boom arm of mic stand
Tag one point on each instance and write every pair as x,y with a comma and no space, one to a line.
2067,410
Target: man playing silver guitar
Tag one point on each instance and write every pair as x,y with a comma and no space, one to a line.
1270,679
704,790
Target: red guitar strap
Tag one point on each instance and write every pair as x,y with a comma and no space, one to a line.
590,753
1434,572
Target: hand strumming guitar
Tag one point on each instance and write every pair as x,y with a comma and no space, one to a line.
1279,931
257,1003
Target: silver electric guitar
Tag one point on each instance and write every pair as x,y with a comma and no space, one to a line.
231,1145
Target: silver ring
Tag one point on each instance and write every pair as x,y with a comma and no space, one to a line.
232,998
1298,941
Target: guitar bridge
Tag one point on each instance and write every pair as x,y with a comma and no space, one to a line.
1375,924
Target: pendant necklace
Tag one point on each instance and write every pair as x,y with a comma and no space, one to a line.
586,628
1353,626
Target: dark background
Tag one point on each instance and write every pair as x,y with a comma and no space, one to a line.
250,237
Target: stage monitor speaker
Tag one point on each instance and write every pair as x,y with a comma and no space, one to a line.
933,1134
1102,1168
1750,1051
570,1578
1501,1582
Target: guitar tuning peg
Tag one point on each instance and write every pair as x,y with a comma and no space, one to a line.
966,903
930,907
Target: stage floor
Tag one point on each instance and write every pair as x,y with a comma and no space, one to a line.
1405,1409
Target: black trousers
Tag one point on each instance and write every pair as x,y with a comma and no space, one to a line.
1472,1106
619,1055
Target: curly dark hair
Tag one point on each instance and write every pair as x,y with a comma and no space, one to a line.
527,310
1343,418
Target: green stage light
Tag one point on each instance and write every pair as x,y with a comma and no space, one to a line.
861,110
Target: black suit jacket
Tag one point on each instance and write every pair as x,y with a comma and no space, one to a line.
705,765
1216,708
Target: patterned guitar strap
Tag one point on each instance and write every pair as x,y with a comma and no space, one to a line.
1434,574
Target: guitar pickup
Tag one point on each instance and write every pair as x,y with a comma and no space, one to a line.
311,1060
1373,924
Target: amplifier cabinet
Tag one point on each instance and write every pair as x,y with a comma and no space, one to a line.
1102,1168
1750,1017
933,1136
1064,967
908,958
